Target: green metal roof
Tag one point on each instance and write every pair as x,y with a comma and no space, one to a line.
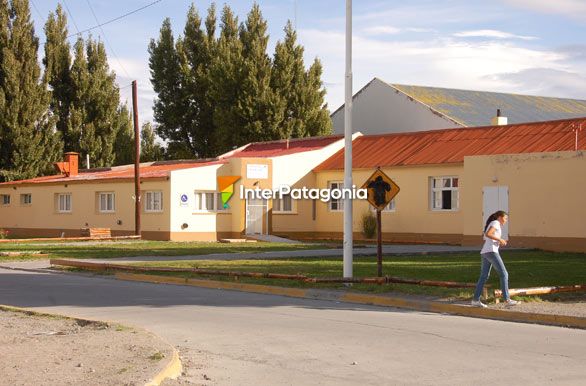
477,108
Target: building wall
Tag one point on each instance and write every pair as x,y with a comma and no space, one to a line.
41,218
412,220
185,222
546,198
296,171
379,108
238,167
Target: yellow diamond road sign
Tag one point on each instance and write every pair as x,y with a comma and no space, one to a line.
381,189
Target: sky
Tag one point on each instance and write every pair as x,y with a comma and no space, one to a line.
532,47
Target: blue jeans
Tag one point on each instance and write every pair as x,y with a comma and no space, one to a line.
489,260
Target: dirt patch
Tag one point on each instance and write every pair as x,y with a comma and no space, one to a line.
574,308
48,350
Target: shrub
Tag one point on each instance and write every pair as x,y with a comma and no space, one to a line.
3,234
368,225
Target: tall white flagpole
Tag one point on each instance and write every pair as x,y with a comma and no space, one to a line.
348,247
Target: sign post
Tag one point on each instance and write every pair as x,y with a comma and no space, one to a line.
381,191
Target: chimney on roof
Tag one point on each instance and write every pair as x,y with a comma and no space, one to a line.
498,120
70,166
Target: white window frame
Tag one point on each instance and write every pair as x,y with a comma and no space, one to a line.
340,202
150,200
201,201
279,204
391,207
112,201
446,184
64,203
5,200
26,199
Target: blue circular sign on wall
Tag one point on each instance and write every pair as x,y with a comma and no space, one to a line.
184,198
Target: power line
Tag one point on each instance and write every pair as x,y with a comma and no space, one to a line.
72,19
118,18
38,12
106,39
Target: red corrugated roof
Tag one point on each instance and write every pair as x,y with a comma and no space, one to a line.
163,169
282,147
452,145
147,170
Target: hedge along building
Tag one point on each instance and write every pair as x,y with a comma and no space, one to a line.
452,179
180,199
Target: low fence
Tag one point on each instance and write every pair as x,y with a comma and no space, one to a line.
263,275
540,290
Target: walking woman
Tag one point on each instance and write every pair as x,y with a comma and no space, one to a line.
491,257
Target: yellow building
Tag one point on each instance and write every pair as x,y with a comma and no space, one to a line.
450,181
180,199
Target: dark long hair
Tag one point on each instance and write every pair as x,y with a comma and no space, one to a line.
494,216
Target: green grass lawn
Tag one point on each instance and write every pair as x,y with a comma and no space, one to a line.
84,250
526,269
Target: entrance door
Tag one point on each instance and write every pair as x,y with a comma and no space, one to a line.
255,214
495,198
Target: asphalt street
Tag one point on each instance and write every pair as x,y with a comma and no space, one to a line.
236,338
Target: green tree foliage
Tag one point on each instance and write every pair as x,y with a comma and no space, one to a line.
226,78
180,76
259,107
216,93
29,142
166,79
95,115
305,113
57,62
124,144
150,150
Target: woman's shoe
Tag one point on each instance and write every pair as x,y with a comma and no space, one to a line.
512,302
478,303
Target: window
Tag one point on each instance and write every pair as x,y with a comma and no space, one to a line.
106,201
208,202
64,202
26,199
153,202
391,206
444,193
5,199
284,204
336,205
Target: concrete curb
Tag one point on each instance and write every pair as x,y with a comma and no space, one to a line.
172,370
377,300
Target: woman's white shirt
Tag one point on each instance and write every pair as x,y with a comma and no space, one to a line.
491,245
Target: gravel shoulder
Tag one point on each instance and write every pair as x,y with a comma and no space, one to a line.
52,350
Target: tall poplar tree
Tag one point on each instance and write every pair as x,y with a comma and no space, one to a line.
259,107
317,115
124,144
57,75
225,75
166,78
29,141
305,113
150,150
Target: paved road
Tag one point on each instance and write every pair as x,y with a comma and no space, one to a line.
251,339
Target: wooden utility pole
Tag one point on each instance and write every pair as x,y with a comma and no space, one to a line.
379,244
137,200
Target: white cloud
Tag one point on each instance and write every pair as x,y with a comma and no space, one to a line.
547,81
442,62
572,8
382,30
491,33
138,70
